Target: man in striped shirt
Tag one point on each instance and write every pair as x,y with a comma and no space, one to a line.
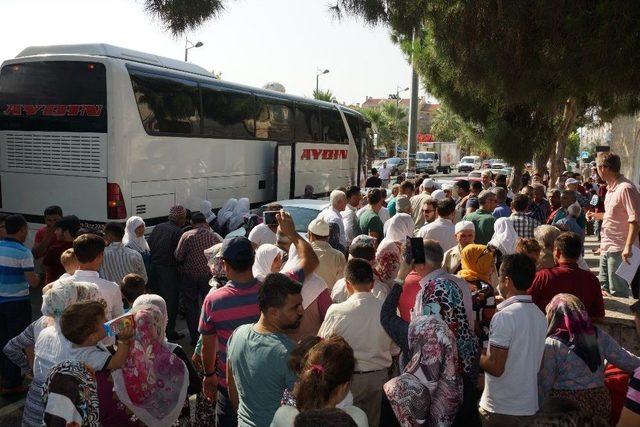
16,275
119,260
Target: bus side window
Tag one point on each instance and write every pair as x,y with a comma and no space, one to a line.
228,114
307,119
274,121
333,129
167,105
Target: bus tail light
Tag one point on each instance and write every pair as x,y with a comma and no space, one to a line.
115,202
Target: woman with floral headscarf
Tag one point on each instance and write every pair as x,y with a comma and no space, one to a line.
389,253
50,346
477,268
429,391
573,363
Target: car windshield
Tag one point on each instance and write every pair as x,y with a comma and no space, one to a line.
467,160
424,156
302,217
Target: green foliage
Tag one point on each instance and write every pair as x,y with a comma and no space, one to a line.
182,15
323,95
390,123
572,149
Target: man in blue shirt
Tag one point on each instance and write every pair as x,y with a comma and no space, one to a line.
16,275
501,210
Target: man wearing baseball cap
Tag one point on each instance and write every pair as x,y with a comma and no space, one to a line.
332,261
573,184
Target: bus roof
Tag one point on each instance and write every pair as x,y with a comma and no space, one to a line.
107,50
102,49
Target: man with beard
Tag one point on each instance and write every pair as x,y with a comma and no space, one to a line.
258,353
357,320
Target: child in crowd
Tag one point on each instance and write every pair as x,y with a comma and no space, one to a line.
69,262
530,248
132,286
82,324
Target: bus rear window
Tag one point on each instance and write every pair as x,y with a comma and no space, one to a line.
63,96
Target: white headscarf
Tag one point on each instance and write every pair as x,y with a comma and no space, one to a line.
313,284
400,227
160,304
205,209
241,209
130,239
265,255
504,236
226,213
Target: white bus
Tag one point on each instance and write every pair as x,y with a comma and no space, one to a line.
106,133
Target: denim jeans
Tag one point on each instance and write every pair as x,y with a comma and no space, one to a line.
15,316
609,280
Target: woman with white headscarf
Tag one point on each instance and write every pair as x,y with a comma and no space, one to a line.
242,208
504,236
268,260
206,210
225,214
389,253
134,239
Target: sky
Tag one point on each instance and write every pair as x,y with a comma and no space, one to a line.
253,42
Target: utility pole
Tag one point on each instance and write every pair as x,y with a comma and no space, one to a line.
396,96
413,116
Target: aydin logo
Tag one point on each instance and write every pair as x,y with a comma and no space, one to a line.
315,154
53,110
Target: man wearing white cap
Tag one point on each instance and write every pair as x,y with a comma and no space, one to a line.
332,261
465,235
442,229
427,187
572,185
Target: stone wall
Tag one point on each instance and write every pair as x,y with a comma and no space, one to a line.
625,141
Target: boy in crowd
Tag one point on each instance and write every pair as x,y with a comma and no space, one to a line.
82,324
516,346
132,286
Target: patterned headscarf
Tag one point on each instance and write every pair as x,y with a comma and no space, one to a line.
71,393
159,303
176,212
65,292
448,296
429,391
153,381
477,262
214,260
570,324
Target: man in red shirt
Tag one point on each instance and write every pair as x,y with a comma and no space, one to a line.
567,277
46,236
65,230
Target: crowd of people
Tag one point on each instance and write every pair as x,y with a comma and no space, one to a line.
494,320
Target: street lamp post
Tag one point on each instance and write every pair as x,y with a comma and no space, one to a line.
319,72
397,118
188,45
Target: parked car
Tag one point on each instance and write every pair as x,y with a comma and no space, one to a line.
469,163
303,211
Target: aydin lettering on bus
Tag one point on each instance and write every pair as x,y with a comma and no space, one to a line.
316,154
53,110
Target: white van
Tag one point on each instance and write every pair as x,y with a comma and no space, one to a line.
469,163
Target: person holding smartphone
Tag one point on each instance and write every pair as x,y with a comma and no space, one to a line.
266,232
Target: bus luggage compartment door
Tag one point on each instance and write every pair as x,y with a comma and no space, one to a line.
284,171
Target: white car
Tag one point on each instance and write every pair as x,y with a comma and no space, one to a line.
469,163
303,211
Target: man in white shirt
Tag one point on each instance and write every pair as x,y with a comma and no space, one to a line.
89,250
427,187
338,203
349,218
442,230
384,172
263,233
516,346
357,320
332,261
118,259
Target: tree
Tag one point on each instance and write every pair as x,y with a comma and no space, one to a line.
323,95
389,122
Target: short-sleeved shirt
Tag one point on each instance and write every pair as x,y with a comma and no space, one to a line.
568,278
96,356
190,251
621,206
261,373
373,182
483,222
523,224
15,260
224,310
40,237
520,327
370,221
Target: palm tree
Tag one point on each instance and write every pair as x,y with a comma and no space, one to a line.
323,95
